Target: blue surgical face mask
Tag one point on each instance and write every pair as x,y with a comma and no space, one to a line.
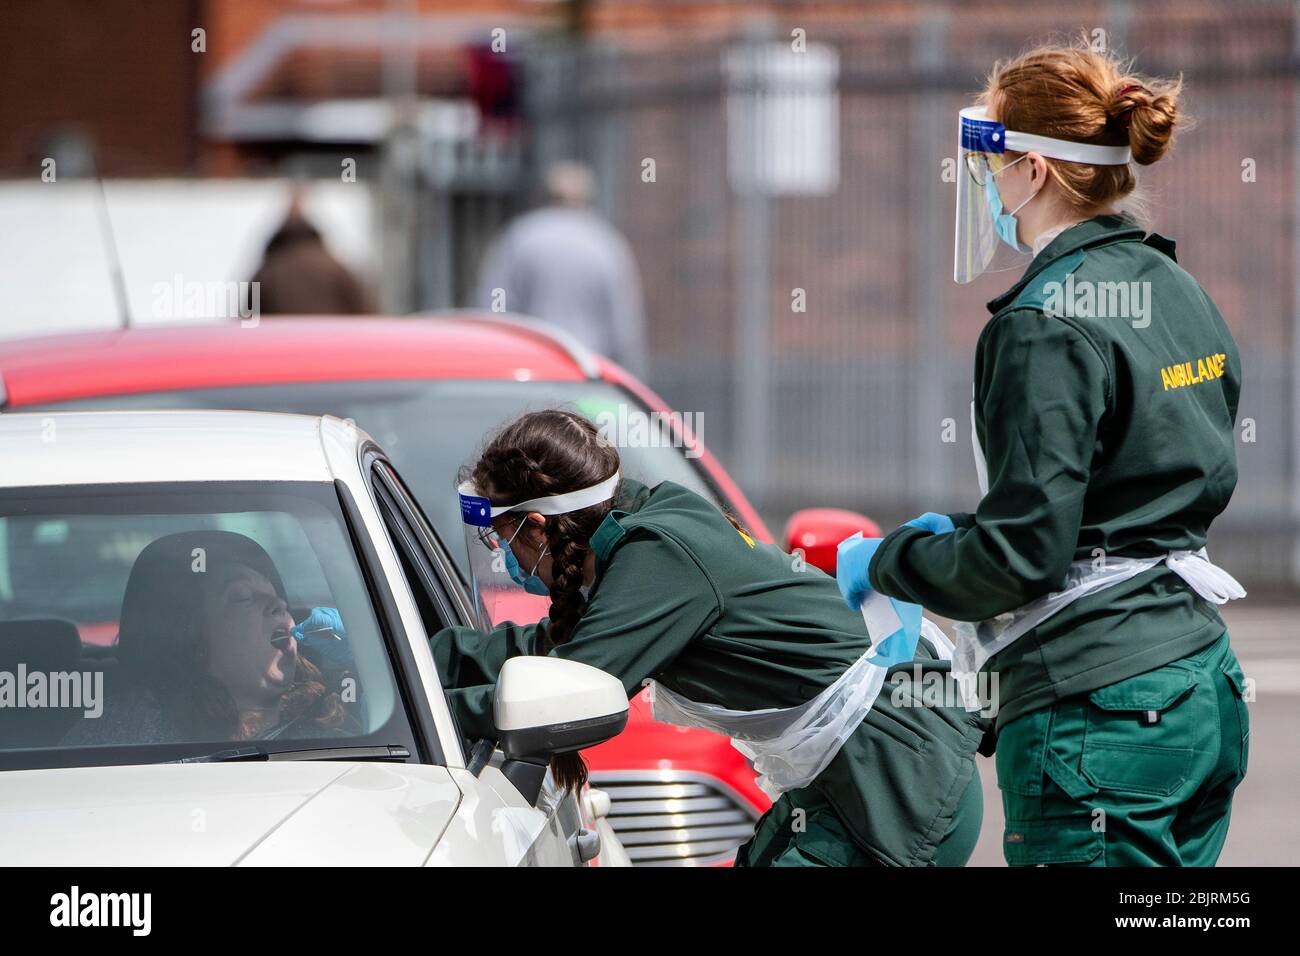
529,582
1004,222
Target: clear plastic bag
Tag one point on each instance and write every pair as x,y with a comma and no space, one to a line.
790,746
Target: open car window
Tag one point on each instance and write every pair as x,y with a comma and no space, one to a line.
141,624
433,599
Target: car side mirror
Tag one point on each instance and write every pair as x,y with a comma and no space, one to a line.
546,706
817,532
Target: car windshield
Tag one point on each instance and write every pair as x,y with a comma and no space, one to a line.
430,428
141,624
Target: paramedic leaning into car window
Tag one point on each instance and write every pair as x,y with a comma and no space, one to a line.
1108,445
656,583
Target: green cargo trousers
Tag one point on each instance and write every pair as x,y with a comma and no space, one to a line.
803,829
1138,773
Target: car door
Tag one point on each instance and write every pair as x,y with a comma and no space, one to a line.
553,832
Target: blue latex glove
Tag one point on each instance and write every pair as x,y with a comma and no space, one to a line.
852,563
324,640
934,523
899,644
891,644
322,620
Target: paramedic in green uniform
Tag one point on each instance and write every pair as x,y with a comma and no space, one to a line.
1108,437
657,583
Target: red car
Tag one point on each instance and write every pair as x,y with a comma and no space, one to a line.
429,389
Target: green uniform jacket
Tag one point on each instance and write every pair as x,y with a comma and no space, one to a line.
1104,435
681,597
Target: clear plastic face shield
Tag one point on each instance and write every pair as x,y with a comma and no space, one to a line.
982,146
503,563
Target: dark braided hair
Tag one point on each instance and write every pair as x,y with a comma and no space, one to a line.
549,453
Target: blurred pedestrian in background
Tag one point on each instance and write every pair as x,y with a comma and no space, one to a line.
565,264
300,276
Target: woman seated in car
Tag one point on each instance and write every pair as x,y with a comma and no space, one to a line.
207,648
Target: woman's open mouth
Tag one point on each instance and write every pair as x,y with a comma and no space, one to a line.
280,638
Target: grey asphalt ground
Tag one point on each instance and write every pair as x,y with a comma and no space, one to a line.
1265,829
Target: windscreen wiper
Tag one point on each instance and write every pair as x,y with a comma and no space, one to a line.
388,752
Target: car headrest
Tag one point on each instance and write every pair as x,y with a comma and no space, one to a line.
47,644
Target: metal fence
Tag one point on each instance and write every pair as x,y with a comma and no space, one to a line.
862,400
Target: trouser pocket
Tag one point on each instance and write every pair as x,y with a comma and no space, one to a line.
1241,692
1064,841
801,829
1021,753
1142,732
1044,799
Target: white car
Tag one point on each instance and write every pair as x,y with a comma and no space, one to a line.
214,650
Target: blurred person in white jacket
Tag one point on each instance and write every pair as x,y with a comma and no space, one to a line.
565,264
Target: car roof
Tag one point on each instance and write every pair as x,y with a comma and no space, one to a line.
455,344
43,449
286,349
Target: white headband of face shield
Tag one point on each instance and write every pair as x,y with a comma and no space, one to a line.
1063,149
1071,152
559,504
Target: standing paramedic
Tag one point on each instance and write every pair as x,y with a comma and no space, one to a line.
1105,399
